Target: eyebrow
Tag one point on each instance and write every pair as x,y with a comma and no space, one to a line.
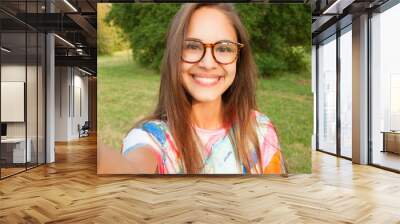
193,39
196,39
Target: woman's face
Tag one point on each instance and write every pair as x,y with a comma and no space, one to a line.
207,79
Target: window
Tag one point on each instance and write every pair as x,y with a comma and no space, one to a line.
327,95
346,74
385,87
23,77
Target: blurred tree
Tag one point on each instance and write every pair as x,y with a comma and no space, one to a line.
145,26
109,38
280,34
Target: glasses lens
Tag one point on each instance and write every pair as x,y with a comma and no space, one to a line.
192,51
225,52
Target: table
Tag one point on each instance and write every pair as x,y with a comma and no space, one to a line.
15,148
391,141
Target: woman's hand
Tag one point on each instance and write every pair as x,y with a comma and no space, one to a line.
139,161
143,160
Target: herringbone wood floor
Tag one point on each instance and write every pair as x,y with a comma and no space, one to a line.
69,191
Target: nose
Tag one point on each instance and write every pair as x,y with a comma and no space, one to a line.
208,61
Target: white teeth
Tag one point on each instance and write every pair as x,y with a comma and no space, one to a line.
206,80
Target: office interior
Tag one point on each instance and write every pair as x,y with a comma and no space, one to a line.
354,106
356,81
48,79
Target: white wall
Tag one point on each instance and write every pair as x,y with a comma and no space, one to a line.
10,73
71,87
62,80
33,126
13,73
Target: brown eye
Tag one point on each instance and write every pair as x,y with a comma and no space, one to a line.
225,49
192,51
225,52
192,45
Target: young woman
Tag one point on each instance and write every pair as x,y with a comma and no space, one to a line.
206,119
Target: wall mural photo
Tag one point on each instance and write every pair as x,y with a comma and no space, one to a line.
204,89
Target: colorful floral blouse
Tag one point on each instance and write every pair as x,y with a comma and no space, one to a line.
219,154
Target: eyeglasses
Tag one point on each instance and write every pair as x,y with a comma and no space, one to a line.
223,52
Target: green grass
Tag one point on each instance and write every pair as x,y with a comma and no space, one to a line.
127,92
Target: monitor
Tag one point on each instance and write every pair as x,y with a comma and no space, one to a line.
3,129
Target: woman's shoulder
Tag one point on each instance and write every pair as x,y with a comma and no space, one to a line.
153,128
152,135
157,128
273,160
265,129
150,126
262,120
264,126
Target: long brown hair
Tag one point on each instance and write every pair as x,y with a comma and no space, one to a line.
239,103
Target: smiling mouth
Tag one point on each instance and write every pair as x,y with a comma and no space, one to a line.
207,81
